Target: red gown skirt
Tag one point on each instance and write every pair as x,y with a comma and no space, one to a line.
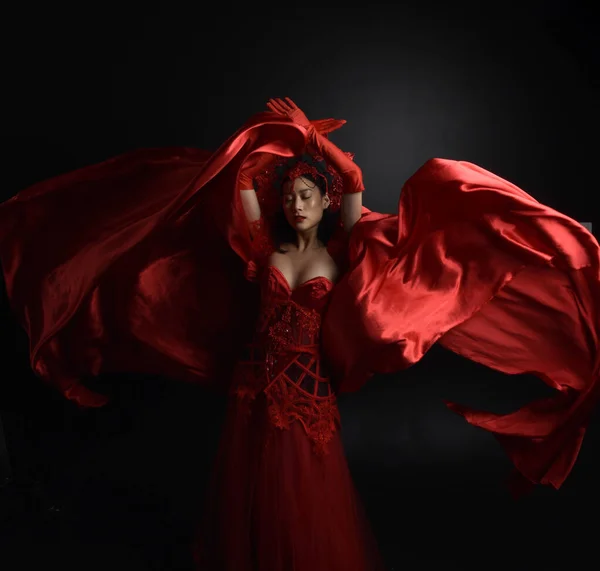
274,505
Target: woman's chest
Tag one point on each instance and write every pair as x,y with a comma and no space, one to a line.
311,296
300,269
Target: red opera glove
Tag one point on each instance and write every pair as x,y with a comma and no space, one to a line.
340,161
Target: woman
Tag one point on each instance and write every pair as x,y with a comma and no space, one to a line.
138,264
281,495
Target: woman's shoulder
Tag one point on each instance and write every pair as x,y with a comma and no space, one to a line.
286,248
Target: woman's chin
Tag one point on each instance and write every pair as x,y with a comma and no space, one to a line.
301,224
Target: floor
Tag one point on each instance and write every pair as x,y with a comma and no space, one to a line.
103,526
122,489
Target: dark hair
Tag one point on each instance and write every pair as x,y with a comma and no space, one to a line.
282,231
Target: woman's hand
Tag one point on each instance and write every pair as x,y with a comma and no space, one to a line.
326,126
288,108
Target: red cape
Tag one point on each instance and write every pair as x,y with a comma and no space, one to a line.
137,264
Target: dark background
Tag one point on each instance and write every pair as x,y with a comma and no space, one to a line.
510,86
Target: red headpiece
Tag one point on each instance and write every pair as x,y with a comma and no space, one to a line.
268,183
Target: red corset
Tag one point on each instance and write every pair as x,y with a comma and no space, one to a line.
284,358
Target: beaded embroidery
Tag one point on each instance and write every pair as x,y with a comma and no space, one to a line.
284,362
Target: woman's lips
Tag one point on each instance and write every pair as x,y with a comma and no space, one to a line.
300,218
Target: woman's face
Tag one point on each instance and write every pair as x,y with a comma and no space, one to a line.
303,204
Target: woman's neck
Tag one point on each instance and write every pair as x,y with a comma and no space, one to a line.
307,240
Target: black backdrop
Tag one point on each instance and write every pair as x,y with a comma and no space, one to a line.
510,86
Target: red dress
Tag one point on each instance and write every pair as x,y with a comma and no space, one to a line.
281,495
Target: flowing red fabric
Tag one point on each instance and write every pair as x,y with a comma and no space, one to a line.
475,263
137,264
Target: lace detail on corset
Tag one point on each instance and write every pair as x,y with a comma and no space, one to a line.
284,363
319,416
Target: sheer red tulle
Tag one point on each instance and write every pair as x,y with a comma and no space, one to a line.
275,505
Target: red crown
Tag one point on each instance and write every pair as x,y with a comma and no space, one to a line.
268,191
